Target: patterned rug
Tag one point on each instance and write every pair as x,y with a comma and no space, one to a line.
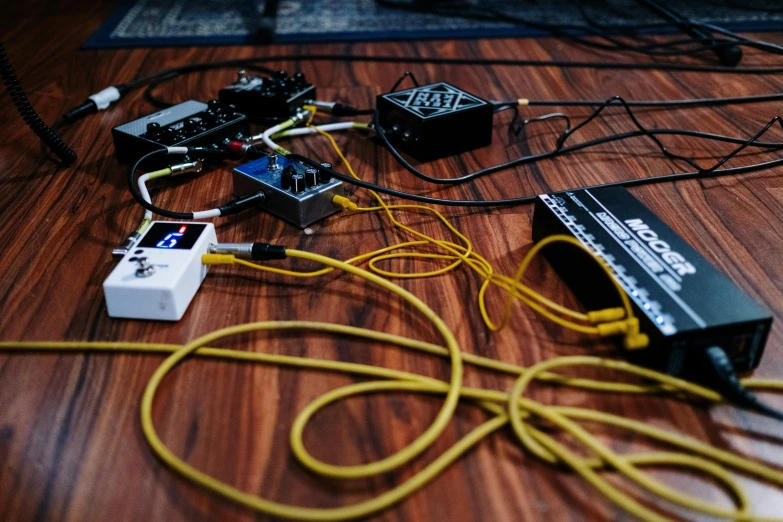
147,23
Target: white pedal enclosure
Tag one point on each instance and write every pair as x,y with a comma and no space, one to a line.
158,278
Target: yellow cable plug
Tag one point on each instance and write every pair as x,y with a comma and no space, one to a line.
636,342
218,259
313,109
634,339
606,315
612,328
343,202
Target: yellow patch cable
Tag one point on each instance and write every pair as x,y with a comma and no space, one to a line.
510,408
612,321
504,409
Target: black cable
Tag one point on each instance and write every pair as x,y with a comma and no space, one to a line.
729,55
28,114
497,61
569,132
683,103
232,207
137,195
724,379
560,149
679,176
89,107
726,50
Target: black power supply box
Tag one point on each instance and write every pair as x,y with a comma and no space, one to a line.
684,304
434,121
270,99
186,124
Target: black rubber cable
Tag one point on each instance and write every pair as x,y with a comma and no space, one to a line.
467,61
28,114
134,190
678,176
561,150
693,102
573,32
725,381
232,207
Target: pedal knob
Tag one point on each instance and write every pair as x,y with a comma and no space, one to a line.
323,176
153,129
285,177
311,177
297,183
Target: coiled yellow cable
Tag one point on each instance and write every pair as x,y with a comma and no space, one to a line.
457,254
505,409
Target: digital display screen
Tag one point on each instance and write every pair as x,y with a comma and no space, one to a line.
172,236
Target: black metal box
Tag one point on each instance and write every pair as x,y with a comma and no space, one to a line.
434,121
190,123
682,301
268,99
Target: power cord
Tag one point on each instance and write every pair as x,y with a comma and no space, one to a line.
28,114
724,379
560,148
728,54
106,97
679,176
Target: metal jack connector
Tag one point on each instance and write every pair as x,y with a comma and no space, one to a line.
300,116
126,246
321,105
241,250
182,168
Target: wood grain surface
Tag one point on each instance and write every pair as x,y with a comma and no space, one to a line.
71,446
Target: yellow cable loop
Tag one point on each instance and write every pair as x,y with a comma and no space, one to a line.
458,254
503,408
707,460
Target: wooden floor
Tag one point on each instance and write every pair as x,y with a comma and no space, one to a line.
71,446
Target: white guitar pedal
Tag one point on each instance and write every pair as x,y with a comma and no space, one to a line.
158,278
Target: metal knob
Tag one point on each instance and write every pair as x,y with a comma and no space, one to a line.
311,177
297,183
153,128
323,176
144,268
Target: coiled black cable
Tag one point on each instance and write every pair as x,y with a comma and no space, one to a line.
28,114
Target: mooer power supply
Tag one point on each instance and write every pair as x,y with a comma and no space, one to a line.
682,301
